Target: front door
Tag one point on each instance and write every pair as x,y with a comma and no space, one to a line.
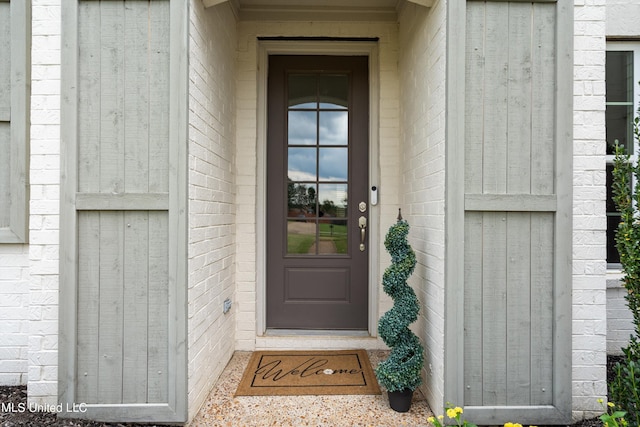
317,188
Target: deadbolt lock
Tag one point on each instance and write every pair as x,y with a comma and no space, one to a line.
362,206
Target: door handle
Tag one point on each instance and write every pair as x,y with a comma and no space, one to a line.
362,223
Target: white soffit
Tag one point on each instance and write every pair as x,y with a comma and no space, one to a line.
317,10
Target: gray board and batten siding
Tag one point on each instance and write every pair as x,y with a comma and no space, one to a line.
509,210
15,77
123,205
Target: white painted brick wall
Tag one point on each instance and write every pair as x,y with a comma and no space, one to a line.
45,201
619,318
246,184
211,196
589,221
422,108
14,314
622,18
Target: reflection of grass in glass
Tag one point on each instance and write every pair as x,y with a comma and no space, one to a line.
337,233
299,243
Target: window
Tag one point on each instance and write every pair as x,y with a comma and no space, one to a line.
623,93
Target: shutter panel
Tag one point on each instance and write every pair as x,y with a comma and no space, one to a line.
123,357
517,212
5,64
5,116
15,24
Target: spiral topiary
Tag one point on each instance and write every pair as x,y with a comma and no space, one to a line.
401,370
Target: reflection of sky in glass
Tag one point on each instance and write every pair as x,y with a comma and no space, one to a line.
302,127
334,127
333,164
302,164
313,128
337,193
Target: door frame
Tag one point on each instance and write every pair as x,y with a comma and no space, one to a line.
336,47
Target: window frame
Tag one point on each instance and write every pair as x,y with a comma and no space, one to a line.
634,47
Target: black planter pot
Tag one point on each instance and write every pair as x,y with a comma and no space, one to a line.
400,401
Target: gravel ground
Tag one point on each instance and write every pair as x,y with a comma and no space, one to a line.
18,396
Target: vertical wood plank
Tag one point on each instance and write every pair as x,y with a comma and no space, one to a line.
543,104
5,175
473,312
495,100
159,17
111,307
88,318
135,307
474,106
20,52
112,97
542,308
136,78
158,349
518,367
89,97
494,308
5,63
519,98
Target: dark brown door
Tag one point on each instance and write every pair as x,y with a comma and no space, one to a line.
317,192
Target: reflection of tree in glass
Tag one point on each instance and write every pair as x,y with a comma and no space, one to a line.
328,208
301,197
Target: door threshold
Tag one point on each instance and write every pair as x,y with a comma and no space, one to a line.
306,339
315,332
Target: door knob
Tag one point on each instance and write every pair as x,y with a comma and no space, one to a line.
362,223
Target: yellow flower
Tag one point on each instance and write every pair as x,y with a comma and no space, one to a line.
600,401
610,404
431,420
451,413
458,409
441,417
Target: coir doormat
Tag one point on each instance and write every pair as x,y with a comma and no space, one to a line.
308,372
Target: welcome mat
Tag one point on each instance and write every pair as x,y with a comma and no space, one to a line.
308,373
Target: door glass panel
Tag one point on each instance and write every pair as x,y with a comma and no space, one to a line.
302,128
302,164
332,237
334,91
334,128
317,164
302,91
301,236
332,199
333,164
301,200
